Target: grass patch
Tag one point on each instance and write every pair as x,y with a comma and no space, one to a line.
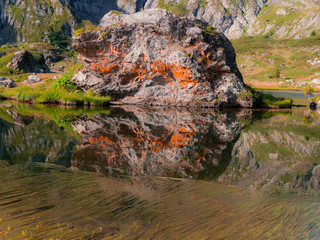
178,9
86,29
61,90
271,60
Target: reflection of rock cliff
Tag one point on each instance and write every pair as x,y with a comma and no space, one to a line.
158,142
154,57
283,150
27,139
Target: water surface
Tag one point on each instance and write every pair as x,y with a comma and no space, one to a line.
298,97
132,173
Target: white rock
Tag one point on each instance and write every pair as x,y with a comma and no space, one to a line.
316,81
290,81
6,82
34,78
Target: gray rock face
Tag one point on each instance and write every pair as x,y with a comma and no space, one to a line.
154,57
6,82
24,61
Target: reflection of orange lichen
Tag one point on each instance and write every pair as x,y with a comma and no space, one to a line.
182,137
104,148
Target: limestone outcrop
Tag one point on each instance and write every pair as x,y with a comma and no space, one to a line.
153,57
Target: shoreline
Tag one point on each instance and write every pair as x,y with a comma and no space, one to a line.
113,104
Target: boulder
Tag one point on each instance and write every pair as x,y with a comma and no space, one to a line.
6,82
24,61
155,58
34,78
316,81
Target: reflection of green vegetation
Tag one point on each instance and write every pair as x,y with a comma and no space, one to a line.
284,133
266,100
60,115
269,114
271,101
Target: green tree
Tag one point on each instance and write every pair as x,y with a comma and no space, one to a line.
60,40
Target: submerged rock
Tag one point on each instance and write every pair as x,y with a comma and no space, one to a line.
153,57
25,62
6,82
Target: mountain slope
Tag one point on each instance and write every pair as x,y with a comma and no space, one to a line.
33,20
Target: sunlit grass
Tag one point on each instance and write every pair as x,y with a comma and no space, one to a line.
61,90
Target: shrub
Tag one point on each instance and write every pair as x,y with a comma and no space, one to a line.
26,94
84,30
115,12
63,82
210,30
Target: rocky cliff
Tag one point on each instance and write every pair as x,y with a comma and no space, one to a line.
32,20
282,150
154,57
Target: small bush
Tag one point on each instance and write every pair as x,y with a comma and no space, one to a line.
210,30
78,32
63,82
115,12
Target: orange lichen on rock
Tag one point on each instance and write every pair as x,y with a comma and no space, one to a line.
105,69
183,75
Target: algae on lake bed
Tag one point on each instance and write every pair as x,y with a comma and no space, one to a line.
43,201
132,173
